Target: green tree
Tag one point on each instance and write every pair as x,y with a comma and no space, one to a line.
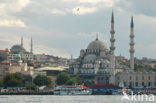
78,80
41,80
31,87
12,80
138,67
1,83
62,78
73,80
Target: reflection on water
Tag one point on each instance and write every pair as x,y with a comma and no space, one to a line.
65,99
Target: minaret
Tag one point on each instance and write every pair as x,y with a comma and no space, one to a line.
21,41
31,50
112,40
131,44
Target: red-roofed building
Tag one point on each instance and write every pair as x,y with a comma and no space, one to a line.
3,54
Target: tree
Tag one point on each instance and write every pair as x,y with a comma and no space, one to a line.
31,87
41,80
62,78
12,80
74,80
138,67
71,81
1,83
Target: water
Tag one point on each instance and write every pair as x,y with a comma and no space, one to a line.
65,99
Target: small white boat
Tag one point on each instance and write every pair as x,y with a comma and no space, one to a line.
81,90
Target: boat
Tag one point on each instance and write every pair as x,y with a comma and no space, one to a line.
72,90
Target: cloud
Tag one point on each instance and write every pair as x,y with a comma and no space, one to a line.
57,12
12,6
12,23
89,1
144,7
81,10
108,3
8,8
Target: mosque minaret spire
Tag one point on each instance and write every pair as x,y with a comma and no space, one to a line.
112,40
132,44
22,41
31,50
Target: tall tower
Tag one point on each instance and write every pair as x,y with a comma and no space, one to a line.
31,49
131,44
22,41
112,40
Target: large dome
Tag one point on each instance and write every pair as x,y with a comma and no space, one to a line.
17,49
97,45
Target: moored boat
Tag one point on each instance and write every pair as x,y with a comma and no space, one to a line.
72,90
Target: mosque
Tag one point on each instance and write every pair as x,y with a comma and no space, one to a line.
17,51
98,65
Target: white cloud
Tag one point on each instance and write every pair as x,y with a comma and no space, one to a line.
57,12
7,8
146,19
81,10
12,6
89,1
108,3
12,23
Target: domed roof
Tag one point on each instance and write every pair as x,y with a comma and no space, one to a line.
17,49
97,45
90,57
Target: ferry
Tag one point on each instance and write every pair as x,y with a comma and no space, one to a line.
72,90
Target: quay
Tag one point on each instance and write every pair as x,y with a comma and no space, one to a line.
27,93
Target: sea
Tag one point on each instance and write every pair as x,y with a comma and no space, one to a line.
70,99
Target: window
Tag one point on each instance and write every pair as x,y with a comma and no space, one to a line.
130,84
136,77
149,84
136,84
118,77
130,78
149,77
143,84
142,77
124,83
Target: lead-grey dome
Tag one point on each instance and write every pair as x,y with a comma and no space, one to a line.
90,58
96,45
17,49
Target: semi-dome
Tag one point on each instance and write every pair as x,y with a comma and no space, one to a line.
97,45
90,57
17,49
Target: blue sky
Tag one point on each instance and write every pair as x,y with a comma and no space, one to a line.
57,27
